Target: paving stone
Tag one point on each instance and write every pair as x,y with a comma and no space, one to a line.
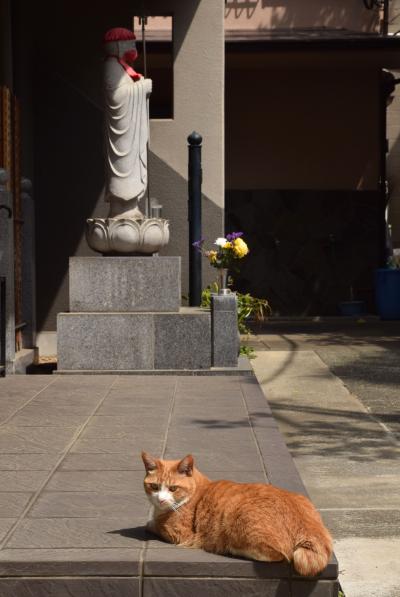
214,587
143,404
70,587
142,419
27,462
115,446
23,388
99,481
178,561
214,435
210,460
126,433
215,410
320,467
218,442
22,480
132,411
52,408
40,416
90,504
362,523
39,440
256,476
348,492
234,418
314,589
144,382
5,526
102,462
67,533
69,562
12,504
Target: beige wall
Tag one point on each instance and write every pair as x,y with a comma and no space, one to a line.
393,133
199,64
393,165
273,14
198,93
301,129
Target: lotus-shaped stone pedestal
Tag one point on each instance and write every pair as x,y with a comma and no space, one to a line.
127,236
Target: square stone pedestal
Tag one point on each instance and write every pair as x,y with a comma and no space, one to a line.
134,341
126,316
124,284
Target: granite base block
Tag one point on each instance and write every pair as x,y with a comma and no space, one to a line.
183,342
105,341
134,341
224,326
125,284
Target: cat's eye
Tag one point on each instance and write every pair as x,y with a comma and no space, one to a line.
173,488
154,486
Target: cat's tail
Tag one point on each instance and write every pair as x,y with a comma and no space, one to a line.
312,555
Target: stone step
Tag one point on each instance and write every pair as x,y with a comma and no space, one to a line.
73,510
128,341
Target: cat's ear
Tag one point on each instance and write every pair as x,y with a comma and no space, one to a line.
150,463
185,467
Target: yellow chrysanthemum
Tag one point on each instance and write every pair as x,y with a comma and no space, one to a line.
240,248
212,256
227,245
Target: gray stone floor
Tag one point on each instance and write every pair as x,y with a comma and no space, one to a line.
334,391
72,507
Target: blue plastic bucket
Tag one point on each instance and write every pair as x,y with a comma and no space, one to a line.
387,293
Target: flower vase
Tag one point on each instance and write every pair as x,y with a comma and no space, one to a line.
223,281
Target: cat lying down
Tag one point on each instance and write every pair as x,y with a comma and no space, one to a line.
253,520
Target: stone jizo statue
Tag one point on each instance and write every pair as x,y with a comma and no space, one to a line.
126,125
126,230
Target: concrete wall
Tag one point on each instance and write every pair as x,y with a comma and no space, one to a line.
66,76
274,14
301,129
393,165
393,133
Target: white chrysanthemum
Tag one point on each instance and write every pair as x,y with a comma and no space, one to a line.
220,242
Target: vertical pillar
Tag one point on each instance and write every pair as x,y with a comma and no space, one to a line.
224,330
28,265
195,179
7,265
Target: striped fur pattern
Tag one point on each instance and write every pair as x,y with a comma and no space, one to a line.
252,520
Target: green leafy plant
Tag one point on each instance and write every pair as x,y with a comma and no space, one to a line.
247,351
394,260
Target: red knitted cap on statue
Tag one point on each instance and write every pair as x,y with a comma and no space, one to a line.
118,34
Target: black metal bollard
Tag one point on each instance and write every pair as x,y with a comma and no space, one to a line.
194,216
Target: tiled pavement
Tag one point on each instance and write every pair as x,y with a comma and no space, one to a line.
72,507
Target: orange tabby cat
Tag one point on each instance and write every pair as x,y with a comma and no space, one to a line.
253,520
